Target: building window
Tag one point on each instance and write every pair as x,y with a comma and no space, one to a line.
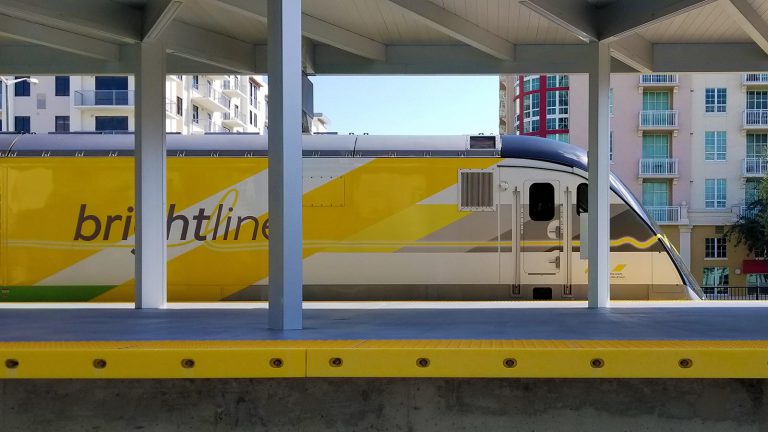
21,88
714,193
751,190
655,193
531,113
196,82
757,146
715,276
22,124
62,86
757,100
655,101
111,90
195,114
714,100
179,106
62,123
656,146
610,147
715,145
557,81
757,280
531,83
714,247
254,93
563,137
111,123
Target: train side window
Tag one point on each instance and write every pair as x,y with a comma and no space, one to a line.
582,198
541,197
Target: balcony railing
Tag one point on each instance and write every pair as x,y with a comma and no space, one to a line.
748,212
208,126
755,167
235,117
755,119
212,94
658,79
658,119
755,78
104,98
658,168
665,214
233,84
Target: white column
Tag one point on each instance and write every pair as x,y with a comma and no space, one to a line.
685,244
599,219
285,170
150,178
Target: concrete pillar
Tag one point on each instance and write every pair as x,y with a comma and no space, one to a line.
150,178
685,244
599,219
284,56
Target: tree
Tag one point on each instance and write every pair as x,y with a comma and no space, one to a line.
751,229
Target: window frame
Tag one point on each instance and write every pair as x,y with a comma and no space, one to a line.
715,100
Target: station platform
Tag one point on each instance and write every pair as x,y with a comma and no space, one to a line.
389,339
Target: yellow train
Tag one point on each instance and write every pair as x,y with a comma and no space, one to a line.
385,217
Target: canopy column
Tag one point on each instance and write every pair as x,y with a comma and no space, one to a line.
599,219
151,268
284,55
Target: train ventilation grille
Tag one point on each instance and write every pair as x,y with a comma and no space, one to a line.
476,191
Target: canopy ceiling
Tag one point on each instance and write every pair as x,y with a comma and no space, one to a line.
388,36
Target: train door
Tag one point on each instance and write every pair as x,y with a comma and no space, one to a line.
537,220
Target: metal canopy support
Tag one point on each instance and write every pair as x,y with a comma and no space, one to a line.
285,170
599,223
150,178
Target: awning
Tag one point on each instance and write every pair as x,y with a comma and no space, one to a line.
754,266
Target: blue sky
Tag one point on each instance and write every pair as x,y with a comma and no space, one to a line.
411,105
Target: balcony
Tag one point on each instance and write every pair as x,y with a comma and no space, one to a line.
755,167
658,120
755,119
210,98
232,119
748,212
204,126
658,80
170,109
665,214
658,168
234,87
755,79
104,99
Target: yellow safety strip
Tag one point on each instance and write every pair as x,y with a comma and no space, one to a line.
386,358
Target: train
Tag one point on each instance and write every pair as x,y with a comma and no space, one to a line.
470,217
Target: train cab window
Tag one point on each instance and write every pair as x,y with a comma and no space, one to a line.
541,197
582,198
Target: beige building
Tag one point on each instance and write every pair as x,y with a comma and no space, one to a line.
691,147
195,104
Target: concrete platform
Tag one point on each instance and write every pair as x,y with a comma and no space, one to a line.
562,340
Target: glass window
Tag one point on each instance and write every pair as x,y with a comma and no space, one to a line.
757,280
655,146
62,124
757,146
541,197
21,88
714,193
714,247
22,124
195,82
655,101
715,100
715,276
715,145
195,114
179,106
610,147
751,189
582,198
655,193
757,100
62,86
111,123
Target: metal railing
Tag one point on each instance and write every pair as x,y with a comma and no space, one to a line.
230,116
755,78
755,118
656,79
104,98
748,212
666,119
664,214
214,94
755,167
735,293
233,83
209,126
658,167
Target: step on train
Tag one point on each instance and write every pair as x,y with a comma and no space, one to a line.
385,218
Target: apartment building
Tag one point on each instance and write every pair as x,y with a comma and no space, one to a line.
195,104
692,147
